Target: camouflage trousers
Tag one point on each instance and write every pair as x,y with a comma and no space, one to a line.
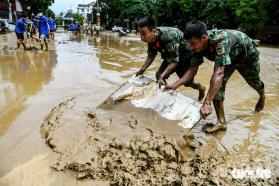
250,71
180,70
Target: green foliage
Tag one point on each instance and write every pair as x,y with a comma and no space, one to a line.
249,14
49,13
36,6
69,14
167,12
191,8
133,9
78,18
216,12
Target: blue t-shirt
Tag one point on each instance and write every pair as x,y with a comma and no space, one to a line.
73,26
43,28
51,23
20,26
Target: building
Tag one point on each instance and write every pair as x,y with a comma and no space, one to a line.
86,10
5,9
9,9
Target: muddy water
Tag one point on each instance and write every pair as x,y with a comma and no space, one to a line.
25,74
33,82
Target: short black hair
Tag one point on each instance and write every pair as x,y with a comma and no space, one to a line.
24,14
148,22
195,29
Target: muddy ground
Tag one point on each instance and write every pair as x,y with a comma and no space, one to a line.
53,134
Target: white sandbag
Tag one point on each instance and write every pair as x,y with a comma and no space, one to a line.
172,105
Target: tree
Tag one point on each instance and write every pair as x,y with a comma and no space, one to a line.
49,13
250,14
78,17
191,8
274,12
69,14
133,9
217,12
36,6
167,12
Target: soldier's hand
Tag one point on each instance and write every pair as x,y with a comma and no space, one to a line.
161,81
140,72
170,87
206,110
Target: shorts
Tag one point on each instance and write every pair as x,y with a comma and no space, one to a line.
52,31
20,36
43,37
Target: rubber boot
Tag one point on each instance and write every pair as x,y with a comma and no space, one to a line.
24,46
221,122
261,102
46,46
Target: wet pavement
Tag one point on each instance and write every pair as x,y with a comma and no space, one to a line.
33,82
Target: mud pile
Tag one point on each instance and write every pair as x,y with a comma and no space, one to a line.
129,146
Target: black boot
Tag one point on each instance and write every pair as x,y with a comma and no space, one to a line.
261,102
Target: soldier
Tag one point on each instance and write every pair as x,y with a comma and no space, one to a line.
174,51
230,50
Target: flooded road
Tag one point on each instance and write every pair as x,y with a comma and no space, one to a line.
33,82
82,64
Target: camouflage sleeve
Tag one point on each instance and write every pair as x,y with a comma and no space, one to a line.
151,51
172,51
222,52
197,59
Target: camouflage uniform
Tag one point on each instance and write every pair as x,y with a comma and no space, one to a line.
236,51
173,48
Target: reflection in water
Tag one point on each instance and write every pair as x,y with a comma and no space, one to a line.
119,54
22,75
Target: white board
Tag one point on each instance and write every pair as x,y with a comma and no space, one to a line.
143,92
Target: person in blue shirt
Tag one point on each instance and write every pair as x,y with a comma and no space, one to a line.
43,30
52,24
73,26
20,29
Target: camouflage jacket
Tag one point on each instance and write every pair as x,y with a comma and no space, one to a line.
229,47
170,43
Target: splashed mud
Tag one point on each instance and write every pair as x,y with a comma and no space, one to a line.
129,146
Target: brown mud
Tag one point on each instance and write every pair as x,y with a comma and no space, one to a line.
129,146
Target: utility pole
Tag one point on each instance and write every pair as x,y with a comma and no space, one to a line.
98,14
10,11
